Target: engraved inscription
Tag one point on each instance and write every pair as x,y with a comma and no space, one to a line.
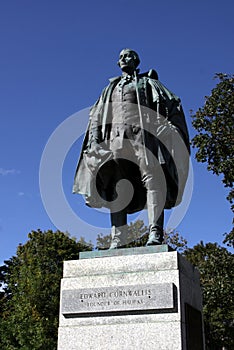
117,299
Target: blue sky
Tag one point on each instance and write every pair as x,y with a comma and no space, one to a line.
56,57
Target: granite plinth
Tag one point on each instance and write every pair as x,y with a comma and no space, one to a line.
160,323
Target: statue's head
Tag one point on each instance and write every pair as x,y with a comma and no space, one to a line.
128,60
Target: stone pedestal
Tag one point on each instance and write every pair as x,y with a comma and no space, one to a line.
136,298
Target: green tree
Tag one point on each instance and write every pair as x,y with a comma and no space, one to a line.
29,302
175,240
215,138
216,266
7,337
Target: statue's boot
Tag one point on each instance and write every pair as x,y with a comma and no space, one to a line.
118,239
118,230
156,218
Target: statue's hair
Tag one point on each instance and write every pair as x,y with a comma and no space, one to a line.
135,54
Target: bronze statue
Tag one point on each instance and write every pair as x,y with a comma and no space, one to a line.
137,131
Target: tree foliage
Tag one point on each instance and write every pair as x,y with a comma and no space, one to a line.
215,125
29,303
215,139
216,266
174,239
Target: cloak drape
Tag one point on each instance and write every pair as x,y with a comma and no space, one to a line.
97,172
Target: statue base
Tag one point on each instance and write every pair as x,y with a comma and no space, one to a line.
135,298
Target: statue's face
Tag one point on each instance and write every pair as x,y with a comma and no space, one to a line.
127,61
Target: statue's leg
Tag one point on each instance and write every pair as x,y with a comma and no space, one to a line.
118,229
156,218
119,218
155,203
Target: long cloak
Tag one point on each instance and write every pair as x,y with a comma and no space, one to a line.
95,173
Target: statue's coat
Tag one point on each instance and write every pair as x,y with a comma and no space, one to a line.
97,170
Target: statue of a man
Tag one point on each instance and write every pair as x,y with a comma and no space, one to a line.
137,132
